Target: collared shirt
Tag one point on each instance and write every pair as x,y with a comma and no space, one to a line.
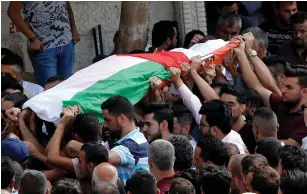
132,150
164,184
292,125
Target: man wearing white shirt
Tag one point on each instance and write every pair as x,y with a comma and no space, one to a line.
12,64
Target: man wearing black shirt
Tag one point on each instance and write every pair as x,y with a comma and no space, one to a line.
280,32
236,97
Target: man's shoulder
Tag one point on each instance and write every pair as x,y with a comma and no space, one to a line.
32,87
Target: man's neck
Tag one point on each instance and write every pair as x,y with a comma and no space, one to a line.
164,174
127,129
297,107
299,51
166,135
239,124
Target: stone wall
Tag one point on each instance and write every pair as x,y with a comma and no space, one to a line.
87,16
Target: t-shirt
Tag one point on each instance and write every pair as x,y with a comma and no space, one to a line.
248,137
235,138
164,184
49,21
34,89
132,150
276,36
291,125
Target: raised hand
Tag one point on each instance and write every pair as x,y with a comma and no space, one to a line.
249,42
196,39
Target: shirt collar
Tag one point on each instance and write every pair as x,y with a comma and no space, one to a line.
137,130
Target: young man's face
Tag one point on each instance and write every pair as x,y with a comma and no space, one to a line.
291,90
300,35
286,10
236,108
151,128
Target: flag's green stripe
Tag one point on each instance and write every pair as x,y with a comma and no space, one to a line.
132,83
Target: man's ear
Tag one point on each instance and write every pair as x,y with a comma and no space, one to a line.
187,128
118,181
91,166
164,125
168,41
93,184
242,107
158,191
251,111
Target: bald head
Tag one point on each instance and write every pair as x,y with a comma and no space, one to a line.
266,124
105,172
234,165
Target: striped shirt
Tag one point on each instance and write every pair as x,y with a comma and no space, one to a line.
132,150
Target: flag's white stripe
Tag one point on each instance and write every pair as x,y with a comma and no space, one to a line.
48,105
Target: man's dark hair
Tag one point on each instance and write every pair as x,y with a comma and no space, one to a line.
190,36
221,4
162,30
218,113
292,158
265,180
7,172
117,105
161,115
184,116
18,99
293,181
236,91
279,2
254,99
154,106
298,18
270,148
13,60
299,71
105,188
66,185
8,82
183,152
95,153
141,182
219,85
55,78
251,161
87,127
181,186
276,65
193,175
216,180
214,150
33,182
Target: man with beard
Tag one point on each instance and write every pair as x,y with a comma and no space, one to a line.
164,36
292,52
158,121
236,97
130,151
280,31
287,107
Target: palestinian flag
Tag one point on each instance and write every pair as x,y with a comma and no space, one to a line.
126,75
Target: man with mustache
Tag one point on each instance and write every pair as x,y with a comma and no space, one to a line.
293,51
288,107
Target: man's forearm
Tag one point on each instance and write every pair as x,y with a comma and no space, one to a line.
15,16
205,89
28,136
55,142
264,75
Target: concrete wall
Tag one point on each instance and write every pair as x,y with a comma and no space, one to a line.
87,16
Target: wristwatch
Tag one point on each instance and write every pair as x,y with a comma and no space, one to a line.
253,53
303,106
32,38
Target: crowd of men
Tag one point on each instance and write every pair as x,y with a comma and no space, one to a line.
239,129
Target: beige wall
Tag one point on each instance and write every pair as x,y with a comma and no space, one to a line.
87,15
